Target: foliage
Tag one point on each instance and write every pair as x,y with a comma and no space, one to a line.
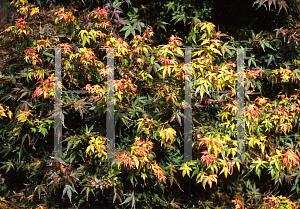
149,96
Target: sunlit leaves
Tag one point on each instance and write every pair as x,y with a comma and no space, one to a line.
23,115
66,16
44,44
290,159
159,173
167,134
127,159
211,143
227,167
285,74
34,11
98,14
87,56
5,112
209,179
185,169
204,86
208,158
275,201
142,149
258,163
208,27
97,145
32,56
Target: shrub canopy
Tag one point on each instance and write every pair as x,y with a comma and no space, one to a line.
149,94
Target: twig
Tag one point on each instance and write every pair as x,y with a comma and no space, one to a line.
34,22
8,35
245,175
46,17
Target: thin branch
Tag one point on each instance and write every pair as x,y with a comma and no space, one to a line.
8,35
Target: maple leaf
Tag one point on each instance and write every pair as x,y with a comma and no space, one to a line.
22,116
99,13
105,24
21,23
99,144
123,159
285,127
61,14
44,91
261,101
210,179
175,40
158,171
230,167
270,3
282,4
167,134
140,61
210,142
185,169
88,87
207,157
81,106
66,48
34,10
290,159
205,140
252,73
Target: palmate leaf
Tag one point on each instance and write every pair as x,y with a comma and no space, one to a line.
87,189
282,4
170,5
40,188
226,49
81,107
165,70
264,43
42,130
167,134
123,118
185,169
297,73
73,142
262,2
179,17
252,60
161,24
270,2
178,116
259,163
68,189
130,28
208,26
214,50
210,179
179,51
195,19
131,199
